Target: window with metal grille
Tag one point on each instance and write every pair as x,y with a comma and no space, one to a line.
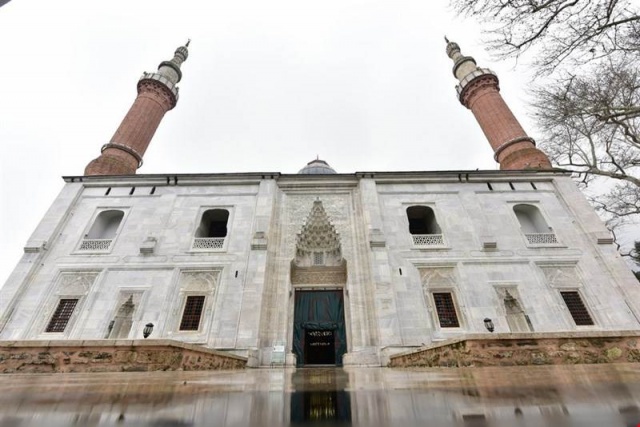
192,312
577,308
446,310
62,315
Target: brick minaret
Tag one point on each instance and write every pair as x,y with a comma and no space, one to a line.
479,91
157,94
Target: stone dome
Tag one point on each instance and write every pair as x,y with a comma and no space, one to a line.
317,167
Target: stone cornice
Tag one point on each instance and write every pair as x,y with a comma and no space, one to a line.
295,180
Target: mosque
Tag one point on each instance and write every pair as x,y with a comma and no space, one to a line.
320,267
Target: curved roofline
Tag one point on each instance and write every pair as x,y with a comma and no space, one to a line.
317,167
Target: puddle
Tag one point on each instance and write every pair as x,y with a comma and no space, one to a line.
583,395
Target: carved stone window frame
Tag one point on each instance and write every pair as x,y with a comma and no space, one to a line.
456,307
567,314
577,285
60,290
58,315
518,226
586,304
183,306
183,291
452,287
439,217
69,328
196,223
98,210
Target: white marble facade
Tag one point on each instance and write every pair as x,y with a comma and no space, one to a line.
393,280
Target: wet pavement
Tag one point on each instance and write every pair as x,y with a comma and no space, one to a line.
581,395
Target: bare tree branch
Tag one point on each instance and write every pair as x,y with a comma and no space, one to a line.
558,32
586,100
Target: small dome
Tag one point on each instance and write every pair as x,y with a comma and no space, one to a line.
317,167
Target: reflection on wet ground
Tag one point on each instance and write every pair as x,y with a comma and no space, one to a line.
584,395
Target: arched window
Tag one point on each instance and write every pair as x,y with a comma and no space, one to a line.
533,225
103,231
212,230
531,220
106,224
423,226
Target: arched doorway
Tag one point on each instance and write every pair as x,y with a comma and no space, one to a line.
318,277
319,336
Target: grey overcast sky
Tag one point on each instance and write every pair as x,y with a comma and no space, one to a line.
269,84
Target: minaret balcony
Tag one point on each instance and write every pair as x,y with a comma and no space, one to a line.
478,72
208,243
423,240
161,79
95,245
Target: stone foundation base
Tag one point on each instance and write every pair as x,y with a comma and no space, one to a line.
567,348
111,356
367,357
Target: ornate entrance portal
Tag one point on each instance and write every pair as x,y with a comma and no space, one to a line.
318,275
319,336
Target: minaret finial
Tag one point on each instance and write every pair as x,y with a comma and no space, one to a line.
462,65
171,68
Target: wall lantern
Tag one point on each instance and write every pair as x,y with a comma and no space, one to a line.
148,328
488,323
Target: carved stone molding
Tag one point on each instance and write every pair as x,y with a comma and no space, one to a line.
68,285
337,209
75,283
199,281
318,243
318,275
439,277
315,234
559,277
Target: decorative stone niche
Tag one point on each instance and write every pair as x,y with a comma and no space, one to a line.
318,258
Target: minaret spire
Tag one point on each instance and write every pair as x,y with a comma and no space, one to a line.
157,94
479,91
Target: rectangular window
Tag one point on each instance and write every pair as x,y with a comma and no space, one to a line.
62,315
446,310
192,312
318,258
577,308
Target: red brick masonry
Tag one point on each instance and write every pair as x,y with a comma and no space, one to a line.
111,356
482,97
564,348
135,132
